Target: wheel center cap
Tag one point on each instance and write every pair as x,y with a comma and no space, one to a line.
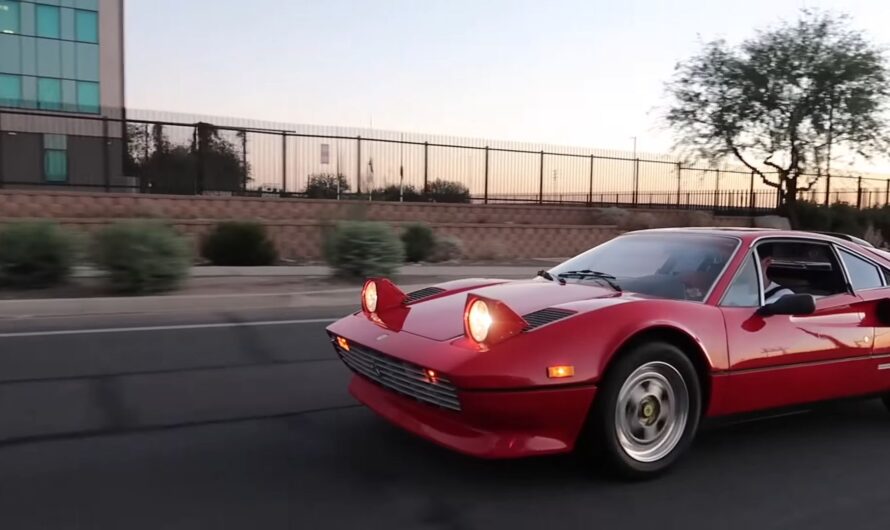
649,410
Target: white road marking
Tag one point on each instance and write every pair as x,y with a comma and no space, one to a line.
166,328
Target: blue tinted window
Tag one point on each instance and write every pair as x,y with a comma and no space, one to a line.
48,21
9,17
86,26
10,90
49,94
88,97
87,58
49,58
55,165
10,54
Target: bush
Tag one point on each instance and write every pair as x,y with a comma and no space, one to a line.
142,256
393,193
419,242
240,244
447,248
838,217
360,249
324,186
35,254
447,191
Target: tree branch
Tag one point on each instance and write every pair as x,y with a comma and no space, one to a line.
738,155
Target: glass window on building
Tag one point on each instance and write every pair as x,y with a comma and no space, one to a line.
49,94
10,19
55,157
86,26
10,90
88,97
49,22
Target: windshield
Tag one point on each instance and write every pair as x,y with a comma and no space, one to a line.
662,265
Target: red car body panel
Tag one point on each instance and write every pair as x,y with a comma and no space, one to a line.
511,408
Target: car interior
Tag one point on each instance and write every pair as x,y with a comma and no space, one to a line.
803,267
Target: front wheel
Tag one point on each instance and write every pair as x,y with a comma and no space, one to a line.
647,410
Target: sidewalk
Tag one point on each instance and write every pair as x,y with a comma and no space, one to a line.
210,288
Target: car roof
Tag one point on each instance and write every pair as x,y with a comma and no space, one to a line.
748,235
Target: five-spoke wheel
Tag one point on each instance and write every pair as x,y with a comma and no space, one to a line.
647,410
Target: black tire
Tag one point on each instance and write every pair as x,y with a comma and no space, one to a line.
603,435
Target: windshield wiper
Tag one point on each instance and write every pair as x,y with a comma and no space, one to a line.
587,273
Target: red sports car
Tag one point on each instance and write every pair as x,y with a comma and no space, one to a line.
622,350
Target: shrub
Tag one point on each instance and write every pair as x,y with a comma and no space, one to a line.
142,256
240,244
609,216
447,191
838,217
393,193
447,248
35,254
419,242
324,186
360,249
638,221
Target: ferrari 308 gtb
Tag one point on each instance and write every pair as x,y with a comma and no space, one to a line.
622,350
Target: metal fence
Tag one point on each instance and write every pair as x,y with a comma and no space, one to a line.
151,152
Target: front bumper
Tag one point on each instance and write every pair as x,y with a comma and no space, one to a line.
490,424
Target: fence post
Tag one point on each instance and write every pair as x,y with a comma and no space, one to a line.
541,181
859,193
358,165
106,168
590,188
827,190
485,199
887,193
717,191
426,166
199,145
752,203
679,181
284,163
636,181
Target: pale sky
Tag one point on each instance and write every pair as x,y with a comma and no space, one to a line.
577,72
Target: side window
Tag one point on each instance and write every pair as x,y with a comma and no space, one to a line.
863,275
744,290
802,267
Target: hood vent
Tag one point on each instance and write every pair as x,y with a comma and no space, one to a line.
546,316
423,293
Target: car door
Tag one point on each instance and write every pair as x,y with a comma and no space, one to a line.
783,360
869,280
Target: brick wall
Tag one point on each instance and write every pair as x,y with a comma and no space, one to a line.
296,225
302,240
39,203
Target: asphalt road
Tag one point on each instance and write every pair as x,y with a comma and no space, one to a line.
231,420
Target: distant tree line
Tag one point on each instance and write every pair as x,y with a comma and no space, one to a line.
208,162
333,186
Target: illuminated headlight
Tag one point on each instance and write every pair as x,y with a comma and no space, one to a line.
369,296
479,321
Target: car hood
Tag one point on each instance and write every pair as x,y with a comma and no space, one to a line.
441,318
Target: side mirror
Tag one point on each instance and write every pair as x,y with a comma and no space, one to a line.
790,304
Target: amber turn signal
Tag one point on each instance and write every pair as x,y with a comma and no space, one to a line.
343,343
560,372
